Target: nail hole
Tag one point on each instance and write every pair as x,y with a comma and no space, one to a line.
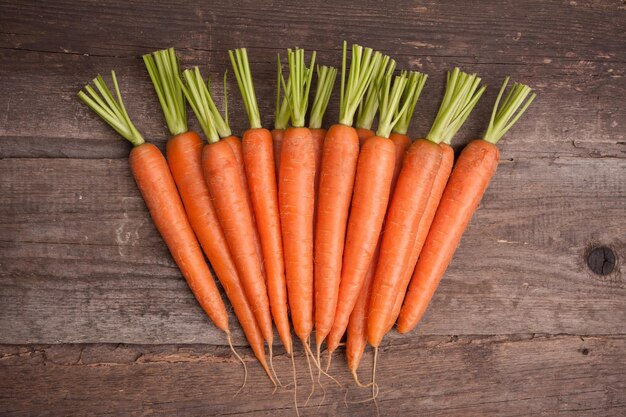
585,351
601,260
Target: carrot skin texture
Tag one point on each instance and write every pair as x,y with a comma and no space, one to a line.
235,143
469,179
357,326
258,156
339,161
364,134
367,213
318,138
439,185
158,189
184,156
221,173
405,211
296,200
277,143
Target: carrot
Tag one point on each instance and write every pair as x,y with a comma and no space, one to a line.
441,178
368,107
339,160
409,201
296,198
184,154
158,189
469,180
258,155
226,188
367,111
357,326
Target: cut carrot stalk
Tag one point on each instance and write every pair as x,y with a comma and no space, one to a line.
158,189
410,198
224,183
259,164
369,105
281,115
357,326
339,161
469,179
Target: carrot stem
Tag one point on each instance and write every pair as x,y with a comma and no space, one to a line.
462,94
368,108
241,66
325,82
389,100
410,96
362,67
299,85
504,117
164,72
111,110
281,114
199,97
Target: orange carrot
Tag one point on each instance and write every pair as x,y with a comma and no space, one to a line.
410,199
222,173
339,161
369,200
184,150
158,189
357,326
296,182
258,155
469,180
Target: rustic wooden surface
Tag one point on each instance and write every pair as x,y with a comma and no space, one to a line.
96,319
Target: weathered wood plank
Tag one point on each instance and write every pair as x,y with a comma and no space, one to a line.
577,67
80,260
435,376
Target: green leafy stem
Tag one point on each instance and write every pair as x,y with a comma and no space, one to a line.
109,109
504,117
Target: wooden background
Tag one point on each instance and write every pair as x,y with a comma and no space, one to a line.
95,318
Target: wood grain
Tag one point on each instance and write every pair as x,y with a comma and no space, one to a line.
96,319
525,375
82,262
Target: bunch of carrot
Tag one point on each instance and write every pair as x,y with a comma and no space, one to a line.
339,232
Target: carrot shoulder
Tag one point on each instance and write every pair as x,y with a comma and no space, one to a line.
469,180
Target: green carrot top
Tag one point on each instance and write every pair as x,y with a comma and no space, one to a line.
281,114
111,110
325,82
362,66
241,66
504,117
198,93
389,98
299,85
369,106
164,72
410,96
462,94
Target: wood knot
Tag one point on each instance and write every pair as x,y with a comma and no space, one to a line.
601,260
